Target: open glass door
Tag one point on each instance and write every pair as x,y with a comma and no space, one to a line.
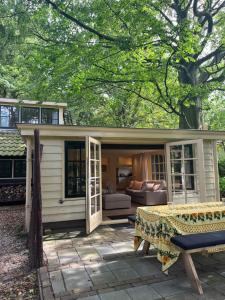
185,171
93,184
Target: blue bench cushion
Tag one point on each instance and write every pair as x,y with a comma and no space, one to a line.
199,240
132,218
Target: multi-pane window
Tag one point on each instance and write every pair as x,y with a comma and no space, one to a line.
75,169
12,168
30,115
9,116
49,116
183,167
158,167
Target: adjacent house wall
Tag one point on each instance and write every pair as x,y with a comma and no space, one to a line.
52,182
211,178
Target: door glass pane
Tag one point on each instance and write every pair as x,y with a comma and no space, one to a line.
97,152
97,186
97,169
177,184
189,166
189,151
92,146
93,205
92,168
190,182
175,152
98,202
176,166
93,187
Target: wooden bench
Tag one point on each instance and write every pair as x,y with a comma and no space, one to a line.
196,243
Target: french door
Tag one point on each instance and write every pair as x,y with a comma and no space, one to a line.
185,171
93,184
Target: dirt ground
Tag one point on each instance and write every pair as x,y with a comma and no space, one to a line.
16,279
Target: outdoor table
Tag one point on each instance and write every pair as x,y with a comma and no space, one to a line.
157,224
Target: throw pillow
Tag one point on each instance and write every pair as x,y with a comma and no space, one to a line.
137,185
131,184
156,187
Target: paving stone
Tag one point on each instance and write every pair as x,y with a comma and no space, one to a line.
144,292
117,264
87,253
209,294
76,278
103,277
95,297
172,287
96,267
47,293
125,274
120,295
57,282
105,250
68,256
144,269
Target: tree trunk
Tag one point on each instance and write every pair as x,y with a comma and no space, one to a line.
190,117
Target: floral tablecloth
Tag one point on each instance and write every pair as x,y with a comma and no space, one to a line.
157,224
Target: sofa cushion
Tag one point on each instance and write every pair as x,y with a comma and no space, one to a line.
137,185
147,186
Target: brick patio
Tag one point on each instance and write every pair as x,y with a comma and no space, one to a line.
104,266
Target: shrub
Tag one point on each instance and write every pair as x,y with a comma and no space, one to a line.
222,187
221,165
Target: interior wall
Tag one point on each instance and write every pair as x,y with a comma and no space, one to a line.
113,159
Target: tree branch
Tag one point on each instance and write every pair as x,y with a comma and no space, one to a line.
81,24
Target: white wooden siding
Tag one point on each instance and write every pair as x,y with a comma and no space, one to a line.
52,182
210,178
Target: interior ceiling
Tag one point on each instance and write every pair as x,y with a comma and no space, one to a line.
132,146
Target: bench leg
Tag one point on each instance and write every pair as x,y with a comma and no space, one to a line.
146,247
191,272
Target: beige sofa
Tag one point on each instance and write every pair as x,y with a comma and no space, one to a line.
147,195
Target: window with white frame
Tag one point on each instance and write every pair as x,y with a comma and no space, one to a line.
183,167
158,167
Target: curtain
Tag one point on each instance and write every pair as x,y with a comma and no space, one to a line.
142,166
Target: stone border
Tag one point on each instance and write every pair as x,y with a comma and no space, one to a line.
44,284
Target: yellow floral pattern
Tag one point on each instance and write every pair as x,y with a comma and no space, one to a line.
157,224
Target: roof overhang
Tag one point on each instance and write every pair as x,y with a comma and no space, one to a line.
121,135
6,101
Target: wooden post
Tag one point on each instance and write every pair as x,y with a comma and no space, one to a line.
36,213
28,206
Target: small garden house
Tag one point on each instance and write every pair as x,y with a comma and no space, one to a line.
80,166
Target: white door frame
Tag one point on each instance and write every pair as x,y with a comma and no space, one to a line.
93,200
200,172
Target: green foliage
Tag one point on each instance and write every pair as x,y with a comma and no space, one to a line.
221,166
222,186
126,63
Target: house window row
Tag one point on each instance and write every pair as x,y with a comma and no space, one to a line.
12,168
10,115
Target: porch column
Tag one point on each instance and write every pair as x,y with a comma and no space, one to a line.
28,183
